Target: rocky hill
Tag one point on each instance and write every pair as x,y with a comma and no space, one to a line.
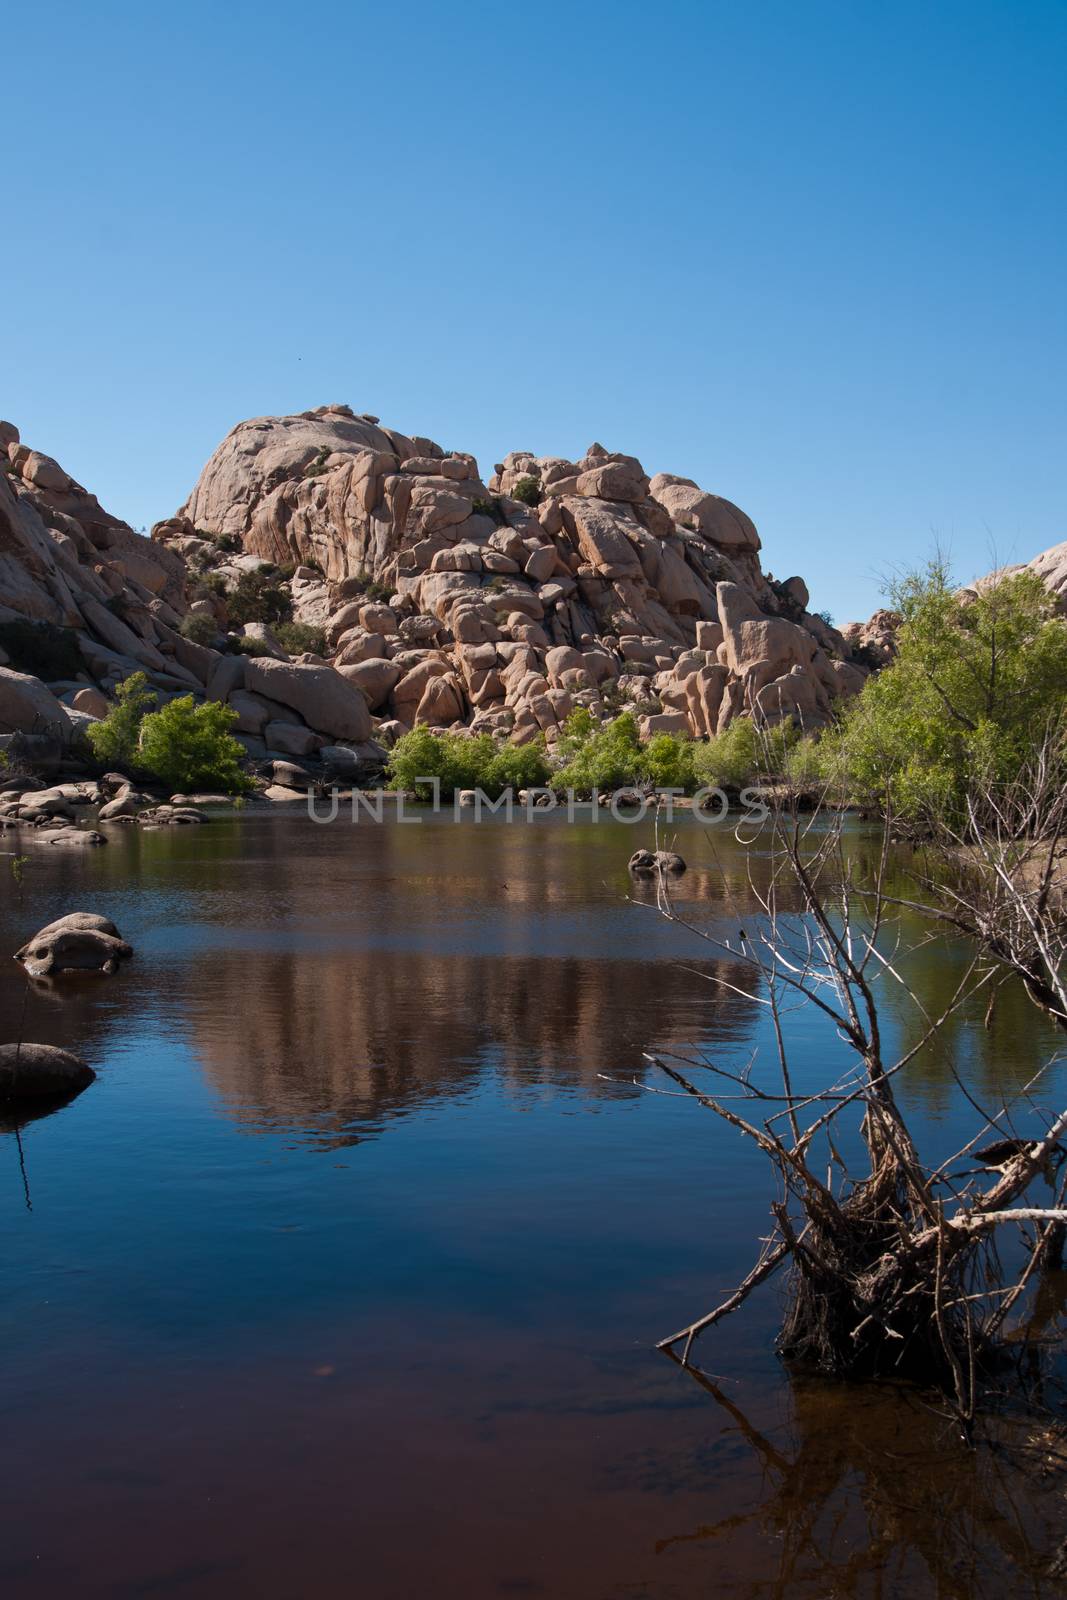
334,580
500,605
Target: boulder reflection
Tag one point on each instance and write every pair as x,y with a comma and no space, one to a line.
335,1046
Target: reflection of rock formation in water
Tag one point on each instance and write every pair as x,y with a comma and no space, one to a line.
344,1042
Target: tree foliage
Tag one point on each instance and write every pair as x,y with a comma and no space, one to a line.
183,745
461,762
187,746
979,680
114,738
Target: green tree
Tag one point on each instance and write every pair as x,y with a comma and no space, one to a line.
979,681
187,746
114,738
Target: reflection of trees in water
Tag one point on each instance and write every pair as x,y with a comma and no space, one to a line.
873,1493
343,1041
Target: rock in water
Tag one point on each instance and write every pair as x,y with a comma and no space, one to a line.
41,1072
644,863
81,942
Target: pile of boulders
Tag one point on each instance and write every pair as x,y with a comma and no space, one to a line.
499,606
433,597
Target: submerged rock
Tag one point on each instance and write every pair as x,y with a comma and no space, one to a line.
644,863
41,1072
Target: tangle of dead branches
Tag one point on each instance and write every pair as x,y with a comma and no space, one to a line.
896,1269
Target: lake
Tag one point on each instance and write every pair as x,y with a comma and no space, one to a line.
344,1278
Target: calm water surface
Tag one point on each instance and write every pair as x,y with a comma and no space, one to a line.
343,1278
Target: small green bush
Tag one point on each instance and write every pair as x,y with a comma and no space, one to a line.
228,543
187,746
114,738
240,646
300,638
489,508
199,628
528,490
208,586
42,649
259,597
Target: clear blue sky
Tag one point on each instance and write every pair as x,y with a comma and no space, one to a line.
812,255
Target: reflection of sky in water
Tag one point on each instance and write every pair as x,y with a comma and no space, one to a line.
351,1224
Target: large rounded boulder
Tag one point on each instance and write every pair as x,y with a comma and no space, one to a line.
80,942
30,1072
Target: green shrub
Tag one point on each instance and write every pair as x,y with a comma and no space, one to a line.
300,638
516,766
598,756
42,649
240,646
489,508
668,761
207,586
743,753
228,543
462,762
809,763
260,596
114,738
528,490
199,628
187,746
369,587
978,682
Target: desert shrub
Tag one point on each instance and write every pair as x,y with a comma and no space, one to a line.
207,586
365,585
228,543
528,490
462,762
489,508
668,761
300,638
809,763
516,766
42,649
731,758
199,628
743,753
978,682
187,746
601,756
113,739
260,596
238,645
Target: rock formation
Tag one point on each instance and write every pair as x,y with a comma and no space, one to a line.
510,601
421,593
